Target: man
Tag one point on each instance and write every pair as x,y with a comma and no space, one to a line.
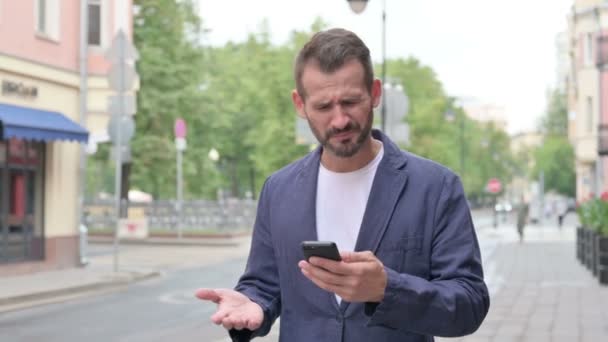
410,264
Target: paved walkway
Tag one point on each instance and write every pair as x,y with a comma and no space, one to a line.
539,290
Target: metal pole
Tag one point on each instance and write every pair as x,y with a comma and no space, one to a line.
383,110
541,194
462,154
600,103
118,148
179,193
84,17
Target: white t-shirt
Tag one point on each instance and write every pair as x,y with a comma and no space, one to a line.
341,202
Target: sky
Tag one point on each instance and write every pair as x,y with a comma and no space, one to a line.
501,53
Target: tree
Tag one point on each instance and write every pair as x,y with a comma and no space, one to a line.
171,70
555,120
556,155
556,159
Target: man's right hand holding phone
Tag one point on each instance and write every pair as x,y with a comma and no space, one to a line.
234,310
358,277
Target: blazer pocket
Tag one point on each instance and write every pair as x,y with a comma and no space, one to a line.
395,254
410,243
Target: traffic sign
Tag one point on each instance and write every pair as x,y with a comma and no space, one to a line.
494,186
129,106
180,128
121,49
127,128
121,76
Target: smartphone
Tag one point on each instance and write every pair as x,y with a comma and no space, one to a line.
322,249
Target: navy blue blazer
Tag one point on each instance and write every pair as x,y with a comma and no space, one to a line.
417,222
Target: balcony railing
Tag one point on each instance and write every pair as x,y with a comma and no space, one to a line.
602,143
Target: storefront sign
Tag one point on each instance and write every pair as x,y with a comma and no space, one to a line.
19,89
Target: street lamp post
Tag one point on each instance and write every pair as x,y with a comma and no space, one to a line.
451,117
358,6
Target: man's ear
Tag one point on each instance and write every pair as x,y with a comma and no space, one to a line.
376,92
298,103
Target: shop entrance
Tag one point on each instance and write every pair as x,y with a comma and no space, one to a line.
21,189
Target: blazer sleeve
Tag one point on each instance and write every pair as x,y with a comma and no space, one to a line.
260,281
454,300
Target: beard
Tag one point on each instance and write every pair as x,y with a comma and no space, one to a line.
345,148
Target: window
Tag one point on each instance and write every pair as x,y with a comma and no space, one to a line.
589,48
94,32
47,18
589,114
41,16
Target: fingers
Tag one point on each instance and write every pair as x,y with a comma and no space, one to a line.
236,321
208,294
313,272
364,256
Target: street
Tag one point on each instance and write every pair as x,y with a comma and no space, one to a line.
158,310
165,309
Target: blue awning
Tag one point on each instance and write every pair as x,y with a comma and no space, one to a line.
35,124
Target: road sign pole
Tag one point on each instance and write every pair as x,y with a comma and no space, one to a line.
118,170
180,146
179,193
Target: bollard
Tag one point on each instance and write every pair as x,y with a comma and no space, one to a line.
601,243
83,245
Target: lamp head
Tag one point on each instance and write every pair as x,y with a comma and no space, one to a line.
357,6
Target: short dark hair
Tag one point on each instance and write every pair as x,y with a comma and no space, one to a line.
331,49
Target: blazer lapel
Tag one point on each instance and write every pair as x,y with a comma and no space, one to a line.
389,183
306,215
305,194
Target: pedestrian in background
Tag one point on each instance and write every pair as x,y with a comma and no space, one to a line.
411,264
522,218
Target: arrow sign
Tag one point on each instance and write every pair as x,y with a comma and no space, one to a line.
114,105
121,77
121,49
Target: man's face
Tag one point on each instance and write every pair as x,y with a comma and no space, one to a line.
338,107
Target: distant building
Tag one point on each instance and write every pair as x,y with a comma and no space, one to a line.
485,113
587,24
42,126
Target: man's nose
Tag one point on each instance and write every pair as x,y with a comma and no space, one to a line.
340,118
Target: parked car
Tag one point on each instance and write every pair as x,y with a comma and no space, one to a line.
503,207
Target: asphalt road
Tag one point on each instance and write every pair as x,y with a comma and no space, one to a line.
162,309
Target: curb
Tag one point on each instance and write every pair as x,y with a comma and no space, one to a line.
69,293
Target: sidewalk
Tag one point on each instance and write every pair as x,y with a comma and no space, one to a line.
539,291
136,263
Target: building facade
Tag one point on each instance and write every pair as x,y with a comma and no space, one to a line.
587,94
53,75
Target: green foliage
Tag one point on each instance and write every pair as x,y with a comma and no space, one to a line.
593,214
483,148
555,157
236,99
555,121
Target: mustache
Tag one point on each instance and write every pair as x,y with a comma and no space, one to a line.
351,126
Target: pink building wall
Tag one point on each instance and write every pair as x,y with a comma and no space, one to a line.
18,34
18,37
